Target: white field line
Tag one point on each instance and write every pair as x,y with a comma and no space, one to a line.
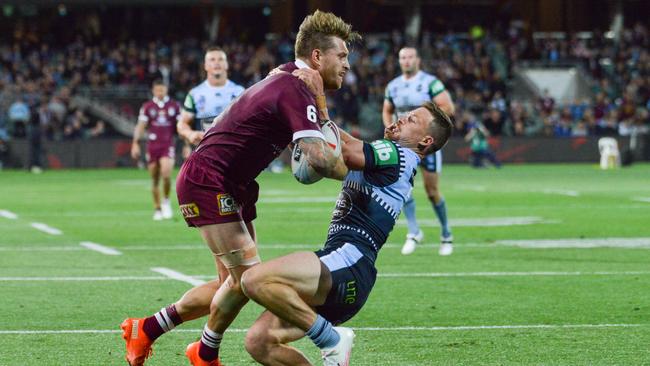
362,329
8,215
578,243
622,243
513,274
169,274
642,199
85,279
562,192
487,221
45,228
174,275
100,248
41,249
471,187
320,199
153,248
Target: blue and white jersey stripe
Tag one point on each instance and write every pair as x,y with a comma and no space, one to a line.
371,200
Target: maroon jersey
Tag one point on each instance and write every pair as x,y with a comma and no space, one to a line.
161,117
255,129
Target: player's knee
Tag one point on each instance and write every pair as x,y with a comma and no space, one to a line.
249,283
258,342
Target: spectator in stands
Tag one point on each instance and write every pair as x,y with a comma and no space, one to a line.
546,102
19,116
494,122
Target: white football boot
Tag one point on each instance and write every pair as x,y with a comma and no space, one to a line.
166,209
339,355
157,215
446,245
411,242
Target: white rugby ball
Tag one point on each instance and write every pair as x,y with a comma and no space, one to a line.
300,167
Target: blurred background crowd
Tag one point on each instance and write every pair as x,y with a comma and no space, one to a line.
39,78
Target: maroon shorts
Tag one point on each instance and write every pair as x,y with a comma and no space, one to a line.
206,198
155,153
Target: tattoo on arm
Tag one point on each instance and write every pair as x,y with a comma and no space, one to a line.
321,157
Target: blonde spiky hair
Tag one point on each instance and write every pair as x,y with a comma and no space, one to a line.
317,30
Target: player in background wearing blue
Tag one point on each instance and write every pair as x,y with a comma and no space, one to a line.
207,100
405,93
309,293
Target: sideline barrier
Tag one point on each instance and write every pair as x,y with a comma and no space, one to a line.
107,153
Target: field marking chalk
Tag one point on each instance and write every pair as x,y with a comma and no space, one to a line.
561,192
8,215
487,221
512,274
321,199
362,329
578,243
86,279
169,274
100,248
178,276
45,228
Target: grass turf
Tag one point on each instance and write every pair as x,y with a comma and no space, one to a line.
408,320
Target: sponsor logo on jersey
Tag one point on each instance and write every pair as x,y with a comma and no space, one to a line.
227,204
385,152
189,210
343,206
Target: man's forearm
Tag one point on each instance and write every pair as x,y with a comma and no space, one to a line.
137,133
183,130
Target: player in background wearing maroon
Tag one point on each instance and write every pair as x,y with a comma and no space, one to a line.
216,187
158,117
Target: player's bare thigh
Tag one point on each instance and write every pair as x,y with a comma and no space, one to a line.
233,244
195,303
302,271
166,165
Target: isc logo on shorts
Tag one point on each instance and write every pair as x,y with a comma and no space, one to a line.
189,210
227,204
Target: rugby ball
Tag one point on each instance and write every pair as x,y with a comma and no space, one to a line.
300,167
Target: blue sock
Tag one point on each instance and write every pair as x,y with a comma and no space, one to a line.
441,212
409,213
323,334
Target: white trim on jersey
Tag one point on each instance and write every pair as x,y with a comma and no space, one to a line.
308,133
346,256
301,64
142,116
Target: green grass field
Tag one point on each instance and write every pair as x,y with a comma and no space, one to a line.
581,297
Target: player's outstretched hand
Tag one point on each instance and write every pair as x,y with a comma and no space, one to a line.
312,78
135,151
196,137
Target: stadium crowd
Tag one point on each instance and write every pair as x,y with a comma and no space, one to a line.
37,81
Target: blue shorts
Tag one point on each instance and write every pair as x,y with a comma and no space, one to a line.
432,162
353,276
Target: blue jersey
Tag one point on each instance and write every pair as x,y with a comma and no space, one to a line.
206,102
406,95
372,199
